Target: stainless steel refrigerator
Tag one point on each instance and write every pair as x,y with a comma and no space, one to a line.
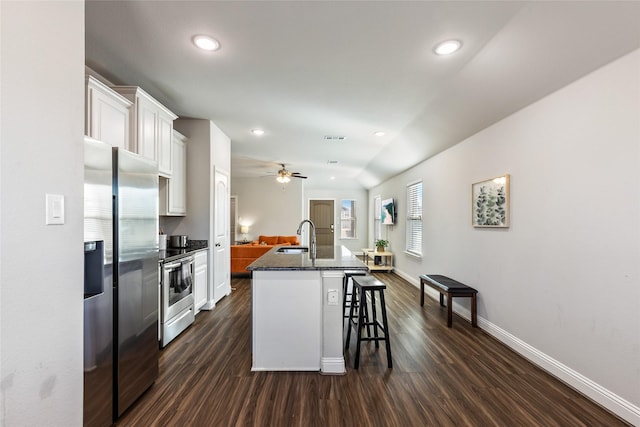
121,302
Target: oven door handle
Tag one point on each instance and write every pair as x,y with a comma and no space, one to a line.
171,266
178,264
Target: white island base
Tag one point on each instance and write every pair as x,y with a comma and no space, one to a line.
294,325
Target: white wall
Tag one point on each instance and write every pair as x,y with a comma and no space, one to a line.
199,149
562,284
41,273
267,207
360,196
207,148
208,151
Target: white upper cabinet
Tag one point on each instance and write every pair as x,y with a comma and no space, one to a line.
173,191
165,158
152,127
107,114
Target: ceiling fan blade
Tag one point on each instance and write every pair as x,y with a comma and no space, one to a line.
298,176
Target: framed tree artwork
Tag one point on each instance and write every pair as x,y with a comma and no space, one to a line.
490,202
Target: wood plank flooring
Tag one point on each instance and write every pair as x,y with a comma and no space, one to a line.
441,377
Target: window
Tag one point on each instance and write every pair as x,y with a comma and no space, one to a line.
348,219
377,218
414,218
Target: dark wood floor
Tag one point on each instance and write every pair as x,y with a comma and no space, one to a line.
440,377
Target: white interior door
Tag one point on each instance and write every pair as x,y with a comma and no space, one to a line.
221,222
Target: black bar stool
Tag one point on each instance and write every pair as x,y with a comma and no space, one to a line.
346,295
361,287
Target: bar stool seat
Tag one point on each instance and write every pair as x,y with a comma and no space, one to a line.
364,288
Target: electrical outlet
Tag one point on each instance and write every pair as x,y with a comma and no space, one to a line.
332,297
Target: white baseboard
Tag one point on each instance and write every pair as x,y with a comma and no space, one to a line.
604,397
209,305
332,366
609,400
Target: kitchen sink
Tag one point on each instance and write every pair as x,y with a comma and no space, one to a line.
292,250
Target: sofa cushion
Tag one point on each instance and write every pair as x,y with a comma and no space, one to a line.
248,251
292,240
268,240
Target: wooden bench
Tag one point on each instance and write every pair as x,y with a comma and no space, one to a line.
451,289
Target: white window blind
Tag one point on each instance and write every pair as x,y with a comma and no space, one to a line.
414,218
348,219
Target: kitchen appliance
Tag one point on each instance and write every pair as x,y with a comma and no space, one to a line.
162,242
178,241
177,311
121,322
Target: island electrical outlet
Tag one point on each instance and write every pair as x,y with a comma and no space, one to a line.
332,297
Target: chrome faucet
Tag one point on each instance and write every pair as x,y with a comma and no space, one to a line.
313,236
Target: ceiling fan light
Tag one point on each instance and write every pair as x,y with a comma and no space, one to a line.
283,179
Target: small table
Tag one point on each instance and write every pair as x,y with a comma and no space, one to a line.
242,242
386,259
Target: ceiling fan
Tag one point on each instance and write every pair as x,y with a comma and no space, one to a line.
284,176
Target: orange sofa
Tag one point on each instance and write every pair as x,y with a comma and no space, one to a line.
243,255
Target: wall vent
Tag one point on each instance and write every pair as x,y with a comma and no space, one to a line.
334,138
332,162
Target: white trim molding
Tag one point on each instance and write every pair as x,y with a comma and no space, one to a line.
332,366
589,388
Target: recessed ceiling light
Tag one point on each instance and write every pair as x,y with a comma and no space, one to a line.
257,132
379,133
206,42
333,177
447,47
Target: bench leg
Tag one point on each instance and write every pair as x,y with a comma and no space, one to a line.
449,309
474,311
421,292
442,299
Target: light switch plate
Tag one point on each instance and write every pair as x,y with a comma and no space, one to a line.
55,209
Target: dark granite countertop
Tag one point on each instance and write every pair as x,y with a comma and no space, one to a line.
328,258
172,254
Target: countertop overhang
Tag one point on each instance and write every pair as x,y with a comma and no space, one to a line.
329,258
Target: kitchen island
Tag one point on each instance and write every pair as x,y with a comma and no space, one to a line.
297,318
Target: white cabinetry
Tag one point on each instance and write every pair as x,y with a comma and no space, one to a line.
200,281
152,127
107,114
173,191
165,137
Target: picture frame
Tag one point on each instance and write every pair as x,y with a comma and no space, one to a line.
490,202
388,212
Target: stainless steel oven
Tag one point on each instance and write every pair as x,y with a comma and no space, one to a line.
177,310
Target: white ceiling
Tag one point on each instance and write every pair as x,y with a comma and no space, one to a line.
301,70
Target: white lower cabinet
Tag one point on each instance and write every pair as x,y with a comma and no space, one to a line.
200,280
